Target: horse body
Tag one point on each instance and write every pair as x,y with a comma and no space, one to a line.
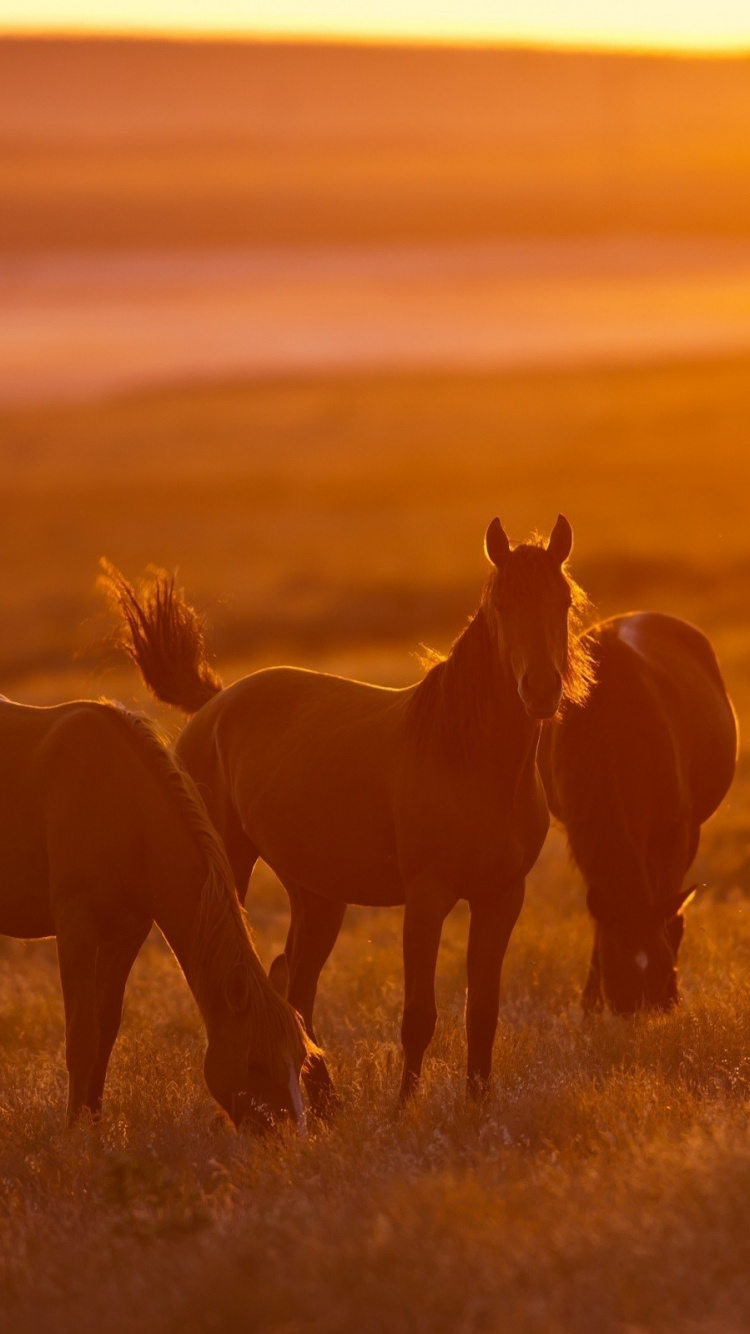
331,790
100,835
354,793
58,764
633,775
311,759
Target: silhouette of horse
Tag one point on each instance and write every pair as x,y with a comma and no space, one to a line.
355,793
633,774
101,833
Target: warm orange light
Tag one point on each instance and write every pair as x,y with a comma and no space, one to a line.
722,25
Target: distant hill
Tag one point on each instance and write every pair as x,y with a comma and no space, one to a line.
106,142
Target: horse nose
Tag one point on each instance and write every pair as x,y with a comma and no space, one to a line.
540,692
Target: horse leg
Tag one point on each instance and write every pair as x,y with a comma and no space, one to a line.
241,852
492,920
591,999
114,961
424,915
77,944
313,932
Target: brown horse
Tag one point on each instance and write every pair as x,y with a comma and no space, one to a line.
633,774
101,833
358,794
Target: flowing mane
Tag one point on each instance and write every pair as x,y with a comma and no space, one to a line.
223,943
454,703
602,749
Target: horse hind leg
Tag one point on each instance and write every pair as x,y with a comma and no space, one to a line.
242,855
77,945
114,960
313,932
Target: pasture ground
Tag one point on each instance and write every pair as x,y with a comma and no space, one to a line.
605,1184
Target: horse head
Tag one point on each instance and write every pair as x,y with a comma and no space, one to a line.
637,957
257,1088
527,603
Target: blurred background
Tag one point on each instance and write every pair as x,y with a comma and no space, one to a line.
299,312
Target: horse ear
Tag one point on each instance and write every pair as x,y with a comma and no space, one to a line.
278,975
560,543
496,544
676,906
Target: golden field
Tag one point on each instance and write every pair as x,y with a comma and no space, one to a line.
107,143
338,522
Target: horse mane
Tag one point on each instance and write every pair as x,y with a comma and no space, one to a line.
455,702
586,770
450,705
223,944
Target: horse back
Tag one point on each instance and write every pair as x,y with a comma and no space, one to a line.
305,762
681,671
80,812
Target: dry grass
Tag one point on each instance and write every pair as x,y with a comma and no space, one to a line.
604,1186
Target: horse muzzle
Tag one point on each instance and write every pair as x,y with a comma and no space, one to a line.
540,702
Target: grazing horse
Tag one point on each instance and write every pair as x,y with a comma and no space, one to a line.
358,794
633,773
101,834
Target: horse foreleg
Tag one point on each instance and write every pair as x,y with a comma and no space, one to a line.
591,998
492,920
314,930
424,915
77,945
114,961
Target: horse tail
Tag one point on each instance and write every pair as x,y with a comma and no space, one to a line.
164,636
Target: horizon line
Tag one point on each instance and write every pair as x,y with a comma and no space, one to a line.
408,41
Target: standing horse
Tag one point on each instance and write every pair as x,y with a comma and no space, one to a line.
101,833
633,774
355,793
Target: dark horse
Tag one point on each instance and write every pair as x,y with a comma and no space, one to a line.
354,793
633,774
101,834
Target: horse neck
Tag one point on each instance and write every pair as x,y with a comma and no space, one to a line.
477,700
198,921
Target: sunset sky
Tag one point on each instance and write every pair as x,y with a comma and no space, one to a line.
696,25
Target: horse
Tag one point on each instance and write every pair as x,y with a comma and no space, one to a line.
632,774
101,834
356,793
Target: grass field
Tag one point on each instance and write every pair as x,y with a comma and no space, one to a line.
605,1184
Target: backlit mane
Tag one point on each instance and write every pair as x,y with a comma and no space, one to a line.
454,704
223,943
450,705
